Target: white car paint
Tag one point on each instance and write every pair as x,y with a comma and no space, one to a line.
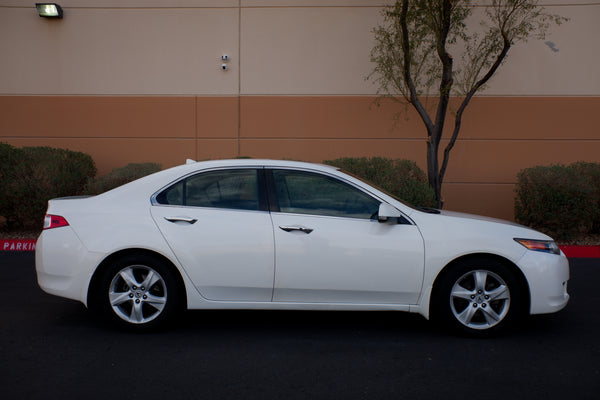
227,253
347,260
243,259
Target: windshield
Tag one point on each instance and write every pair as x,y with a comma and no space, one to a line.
403,201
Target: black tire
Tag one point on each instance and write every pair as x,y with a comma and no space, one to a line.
478,297
138,292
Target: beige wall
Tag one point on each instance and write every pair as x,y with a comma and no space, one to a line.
140,80
118,51
299,47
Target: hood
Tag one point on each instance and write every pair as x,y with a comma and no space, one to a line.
452,226
479,218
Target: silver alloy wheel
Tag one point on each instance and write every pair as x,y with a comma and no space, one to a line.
480,299
137,294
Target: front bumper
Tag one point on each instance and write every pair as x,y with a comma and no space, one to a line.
547,275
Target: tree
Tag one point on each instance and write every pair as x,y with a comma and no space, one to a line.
412,57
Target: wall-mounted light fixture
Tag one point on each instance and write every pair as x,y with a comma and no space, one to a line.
49,10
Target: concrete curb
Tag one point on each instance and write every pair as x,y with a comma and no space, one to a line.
581,251
570,251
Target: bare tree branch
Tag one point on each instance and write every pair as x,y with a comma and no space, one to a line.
411,57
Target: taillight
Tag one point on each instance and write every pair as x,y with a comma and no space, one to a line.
54,221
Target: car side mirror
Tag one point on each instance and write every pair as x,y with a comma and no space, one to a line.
386,212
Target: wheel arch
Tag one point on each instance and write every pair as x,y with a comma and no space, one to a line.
518,273
93,286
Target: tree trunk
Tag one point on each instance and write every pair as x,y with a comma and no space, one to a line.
433,169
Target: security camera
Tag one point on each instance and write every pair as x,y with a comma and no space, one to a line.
224,67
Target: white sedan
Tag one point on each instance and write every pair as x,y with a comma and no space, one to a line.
262,234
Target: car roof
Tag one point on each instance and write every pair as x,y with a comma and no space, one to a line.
257,162
192,166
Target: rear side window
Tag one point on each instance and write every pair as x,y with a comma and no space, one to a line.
234,189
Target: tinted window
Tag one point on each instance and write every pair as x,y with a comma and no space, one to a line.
309,193
236,189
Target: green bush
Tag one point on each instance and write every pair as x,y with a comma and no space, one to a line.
8,162
402,178
592,173
33,175
558,200
120,176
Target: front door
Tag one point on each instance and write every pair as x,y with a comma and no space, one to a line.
330,248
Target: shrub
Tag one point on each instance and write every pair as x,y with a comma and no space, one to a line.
402,178
557,200
120,176
33,175
591,171
8,161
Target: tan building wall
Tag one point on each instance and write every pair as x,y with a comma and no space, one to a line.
132,80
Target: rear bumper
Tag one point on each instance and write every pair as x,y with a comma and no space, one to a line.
62,264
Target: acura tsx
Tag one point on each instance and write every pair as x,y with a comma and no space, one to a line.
264,234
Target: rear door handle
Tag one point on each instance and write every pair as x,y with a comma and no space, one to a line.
296,228
181,219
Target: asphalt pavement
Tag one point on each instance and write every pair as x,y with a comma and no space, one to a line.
54,348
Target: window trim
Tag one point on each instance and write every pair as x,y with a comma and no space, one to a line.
268,200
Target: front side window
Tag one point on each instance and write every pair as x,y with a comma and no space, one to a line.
302,192
234,189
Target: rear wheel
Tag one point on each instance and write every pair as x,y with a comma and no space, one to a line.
478,297
138,292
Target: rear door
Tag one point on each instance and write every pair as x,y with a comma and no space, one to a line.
218,225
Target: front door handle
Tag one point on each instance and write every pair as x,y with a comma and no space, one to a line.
296,228
181,219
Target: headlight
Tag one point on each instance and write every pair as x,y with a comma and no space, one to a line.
546,246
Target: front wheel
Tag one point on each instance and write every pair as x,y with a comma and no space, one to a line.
478,297
138,292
